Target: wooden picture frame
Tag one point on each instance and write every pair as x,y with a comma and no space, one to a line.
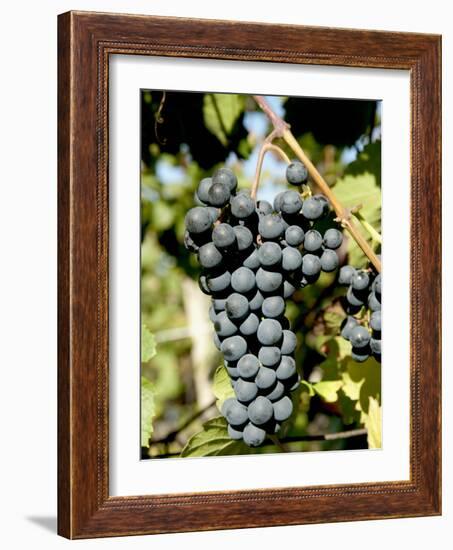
85,41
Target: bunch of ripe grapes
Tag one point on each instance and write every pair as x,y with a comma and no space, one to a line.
254,256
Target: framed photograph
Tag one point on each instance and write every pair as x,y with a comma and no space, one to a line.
229,355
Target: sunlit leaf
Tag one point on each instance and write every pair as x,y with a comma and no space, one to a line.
355,190
213,440
222,387
220,112
147,411
373,424
328,391
148,344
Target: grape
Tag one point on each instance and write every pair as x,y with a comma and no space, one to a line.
269,356
360,354
253,436
219,194
226,177
333,238
311,265
265,378
278,201
271,227
289,342
218,304
219,282
294,235
203,284
375,345
312,208
243,280
286,368
264,207
233,348
377,284
235,413
203,189
214,213
269,332
360,280
257,301
373,303
209,256
353,299
269,254
346,326
312,241
268,281
232,371
234,434
277,392
291,259
242,206
197,220
346,274
250,325
359,336
236,306
189,243
248,366
223,235
291,203
283,409
329,260
296,173
223,326
273,306
212,314
244,237
260,411
252,261
245,391
217,342
288,289
375,321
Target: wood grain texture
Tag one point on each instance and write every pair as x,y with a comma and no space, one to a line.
85,42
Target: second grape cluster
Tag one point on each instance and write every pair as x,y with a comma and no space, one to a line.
254,256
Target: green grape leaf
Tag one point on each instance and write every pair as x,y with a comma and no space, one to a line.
147,411
362,382
373,424
213,440
220,113
361,189
328,391
148,344
222,387
307,387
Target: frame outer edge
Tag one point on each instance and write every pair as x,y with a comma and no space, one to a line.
64,527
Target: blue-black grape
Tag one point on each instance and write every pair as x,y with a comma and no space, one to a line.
294,235
260,411
248,366
291,259
333,238
226,177
311,265
244,237
329,260
269,254
237,306
235,413
289,342
209,256
243,280
359,336
217,283
249,325
291,203
312,241
245,391
273,306
296,173
286,369
223,326
283,409
253,436
242,206
269,332
219,194
268,281
198,220
203,190
269,356
312,208
223,235
271,227
234,347
265,378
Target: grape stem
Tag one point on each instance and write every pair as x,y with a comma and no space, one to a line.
282,130
267,146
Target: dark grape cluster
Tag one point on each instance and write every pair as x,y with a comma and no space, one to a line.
362,297
254,256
